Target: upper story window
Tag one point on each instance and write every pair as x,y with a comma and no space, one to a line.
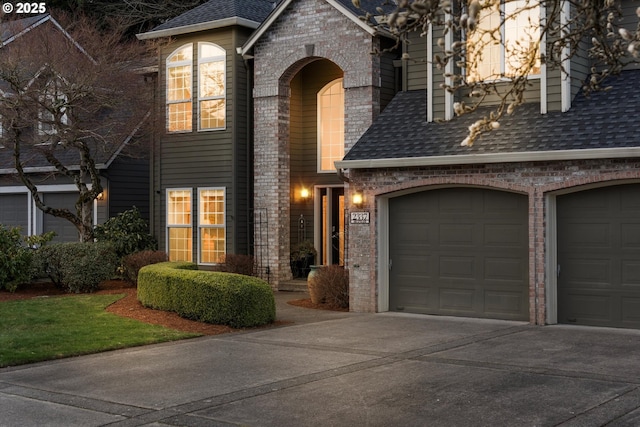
179,87
506,41
210,71
53,111
211,86
330,125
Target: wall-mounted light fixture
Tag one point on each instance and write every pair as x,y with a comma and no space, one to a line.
357,199
305,194
100,196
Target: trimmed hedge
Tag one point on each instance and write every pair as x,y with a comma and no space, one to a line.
207,296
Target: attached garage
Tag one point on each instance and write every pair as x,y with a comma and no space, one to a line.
459,252
65,230
598,235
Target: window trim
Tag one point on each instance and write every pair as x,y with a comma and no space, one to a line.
222,226
169,226
340,81
220,58
168,65
503,46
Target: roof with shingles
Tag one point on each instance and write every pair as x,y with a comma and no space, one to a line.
216,10
606,119
9,29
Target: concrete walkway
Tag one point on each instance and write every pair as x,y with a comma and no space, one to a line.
344,369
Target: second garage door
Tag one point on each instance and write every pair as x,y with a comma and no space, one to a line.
599,257
461,252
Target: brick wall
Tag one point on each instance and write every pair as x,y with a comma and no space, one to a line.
306,31
535,179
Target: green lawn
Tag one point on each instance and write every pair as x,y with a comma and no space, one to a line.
53,327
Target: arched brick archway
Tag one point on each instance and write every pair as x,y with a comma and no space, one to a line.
279,56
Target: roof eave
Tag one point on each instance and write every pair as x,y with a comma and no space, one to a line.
203,26
46,169
467,159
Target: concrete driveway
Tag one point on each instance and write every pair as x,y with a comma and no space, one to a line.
344,369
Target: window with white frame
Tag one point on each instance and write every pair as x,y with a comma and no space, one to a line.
179,228
211,86
506,41
211,225
330,125
179,88
53,111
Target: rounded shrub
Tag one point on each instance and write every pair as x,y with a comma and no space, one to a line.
207,296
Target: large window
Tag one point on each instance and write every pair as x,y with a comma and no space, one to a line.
211,225
506,41
179,87
211,93
179,229
211,86
330,125
53,112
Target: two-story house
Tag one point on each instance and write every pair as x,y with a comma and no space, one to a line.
124,176
538,220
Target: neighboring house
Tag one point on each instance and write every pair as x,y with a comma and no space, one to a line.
125,178
538,221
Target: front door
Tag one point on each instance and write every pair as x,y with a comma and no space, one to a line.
330,237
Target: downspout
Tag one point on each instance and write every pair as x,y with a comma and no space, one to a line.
249,151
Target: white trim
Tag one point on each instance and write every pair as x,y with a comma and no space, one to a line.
465,159
383,253
168,65
551,260
430,73
565,84
203,26
543,64
448,96
266,24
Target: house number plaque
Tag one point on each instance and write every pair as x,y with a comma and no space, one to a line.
359,218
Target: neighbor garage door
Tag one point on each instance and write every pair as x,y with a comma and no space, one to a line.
65,230
461,252
599,257
13,211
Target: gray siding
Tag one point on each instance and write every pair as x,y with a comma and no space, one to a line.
215,158
128,186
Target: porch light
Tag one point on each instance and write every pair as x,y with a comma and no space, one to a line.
357,199
100,196
304,194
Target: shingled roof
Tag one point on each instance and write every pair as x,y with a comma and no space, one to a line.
594,127
209,15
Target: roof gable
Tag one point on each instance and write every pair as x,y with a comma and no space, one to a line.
599,126
346,7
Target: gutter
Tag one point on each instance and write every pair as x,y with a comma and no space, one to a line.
467,159
203,26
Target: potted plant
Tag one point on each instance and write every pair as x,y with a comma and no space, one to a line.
303,256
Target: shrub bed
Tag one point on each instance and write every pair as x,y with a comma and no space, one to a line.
207,296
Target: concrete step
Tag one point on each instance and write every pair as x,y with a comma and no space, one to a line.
295,285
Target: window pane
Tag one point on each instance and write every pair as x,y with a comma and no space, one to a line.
180,244
184,54
179,117
522,34
331,124
208,51
179,207
212,207
483,45
212,245
179,83
211,79
212,114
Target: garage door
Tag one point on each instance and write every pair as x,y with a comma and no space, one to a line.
13,211
65,230
460,252
599,257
